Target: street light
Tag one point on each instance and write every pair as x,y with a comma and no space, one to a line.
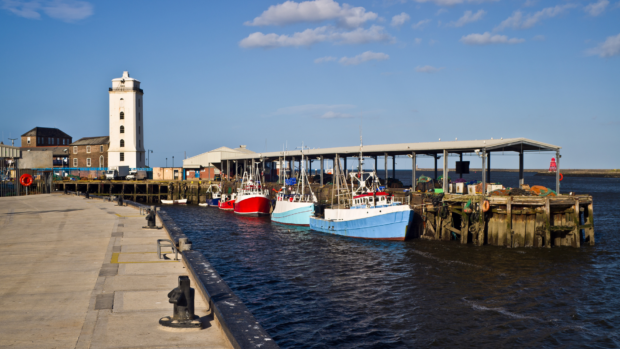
166,162
173,161
148,159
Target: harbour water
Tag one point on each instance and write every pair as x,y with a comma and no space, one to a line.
314,290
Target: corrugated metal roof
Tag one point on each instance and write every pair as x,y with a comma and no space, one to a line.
7,151
92,141
490,145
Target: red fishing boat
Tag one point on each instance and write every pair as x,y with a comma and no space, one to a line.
252,199
227,202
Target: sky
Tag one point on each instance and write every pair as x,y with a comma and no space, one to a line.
269,73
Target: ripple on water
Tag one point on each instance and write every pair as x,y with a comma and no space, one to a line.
314,290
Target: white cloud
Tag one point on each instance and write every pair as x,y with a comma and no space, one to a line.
361,36
468,17
400,19
609,48
417,41
291,12
539,38
518,21
440,11
530,3
487,38
306,38
364,57
325,59
64,10
420,24
335,115
312,36
453,2
596,8
428,69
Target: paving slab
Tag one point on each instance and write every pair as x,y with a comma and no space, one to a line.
84,274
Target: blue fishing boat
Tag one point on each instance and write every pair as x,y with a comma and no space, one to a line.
369,213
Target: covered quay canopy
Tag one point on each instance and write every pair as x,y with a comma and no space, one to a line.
484,148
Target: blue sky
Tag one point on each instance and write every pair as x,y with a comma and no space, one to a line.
262,73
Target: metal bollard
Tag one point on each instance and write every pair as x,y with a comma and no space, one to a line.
183,310
86,195
185,244
66,191
119,201
151,219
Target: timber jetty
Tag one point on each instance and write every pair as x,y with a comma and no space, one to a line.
509,221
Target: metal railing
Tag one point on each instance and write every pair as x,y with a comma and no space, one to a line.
125,89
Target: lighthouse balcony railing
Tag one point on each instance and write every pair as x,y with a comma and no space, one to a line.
125,89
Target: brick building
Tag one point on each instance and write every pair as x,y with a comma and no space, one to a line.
45,137
89,152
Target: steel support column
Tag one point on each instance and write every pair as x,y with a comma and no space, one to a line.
521,181
322,162
488,167
557,172
445,171
385,156
413,167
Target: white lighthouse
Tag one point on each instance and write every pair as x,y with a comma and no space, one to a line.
126,126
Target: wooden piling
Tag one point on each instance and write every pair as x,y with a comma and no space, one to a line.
577,223
530,230
589,213
509,234
464,226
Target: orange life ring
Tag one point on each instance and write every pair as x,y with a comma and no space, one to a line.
290,199
561,177
25,180
485,206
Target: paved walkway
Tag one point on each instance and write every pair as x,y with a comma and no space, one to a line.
79,273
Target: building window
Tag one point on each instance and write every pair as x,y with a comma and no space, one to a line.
87,162
122,143
122,115
63,141
74,150
101,148
122,156
88,149
74,162
101,164
122,129
28,140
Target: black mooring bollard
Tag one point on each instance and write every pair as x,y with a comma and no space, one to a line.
66,191
151,222
183,310
86,195
119,201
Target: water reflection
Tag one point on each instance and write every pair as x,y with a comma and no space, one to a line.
317,290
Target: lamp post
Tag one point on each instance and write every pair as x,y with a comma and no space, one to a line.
173,161
166,162
148,159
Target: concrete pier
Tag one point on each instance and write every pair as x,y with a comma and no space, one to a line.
79,273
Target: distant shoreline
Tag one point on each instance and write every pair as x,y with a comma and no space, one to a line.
539,172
